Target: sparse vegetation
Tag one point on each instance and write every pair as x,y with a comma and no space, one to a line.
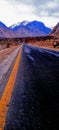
43,41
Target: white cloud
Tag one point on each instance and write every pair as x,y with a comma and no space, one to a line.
10,14
13,11
51,21
6,12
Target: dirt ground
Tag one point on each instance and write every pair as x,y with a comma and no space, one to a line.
5,52
45,44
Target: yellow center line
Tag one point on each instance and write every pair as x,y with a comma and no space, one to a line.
5,100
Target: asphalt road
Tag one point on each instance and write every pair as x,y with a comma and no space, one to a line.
35,99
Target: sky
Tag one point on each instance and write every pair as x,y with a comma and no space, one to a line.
14,11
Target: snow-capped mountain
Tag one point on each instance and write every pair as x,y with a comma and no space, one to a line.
24,29
24,23
34,28
14,25
18,25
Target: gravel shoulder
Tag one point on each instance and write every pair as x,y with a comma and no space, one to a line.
6,58
5,52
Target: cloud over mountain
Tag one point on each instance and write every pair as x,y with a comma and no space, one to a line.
46,7
13,11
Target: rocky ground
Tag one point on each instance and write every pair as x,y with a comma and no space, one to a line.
45,44
6,58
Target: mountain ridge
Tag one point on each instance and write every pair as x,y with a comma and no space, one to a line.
5,32
24,29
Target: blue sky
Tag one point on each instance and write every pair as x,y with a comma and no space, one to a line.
14,11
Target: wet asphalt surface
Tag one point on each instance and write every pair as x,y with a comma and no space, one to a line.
35,99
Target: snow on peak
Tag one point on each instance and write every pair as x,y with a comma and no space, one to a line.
24,23
12,26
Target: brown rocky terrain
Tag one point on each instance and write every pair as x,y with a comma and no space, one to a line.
50,41
47,41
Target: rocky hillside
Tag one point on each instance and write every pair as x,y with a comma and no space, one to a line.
34,28
5,32
55,30
24,29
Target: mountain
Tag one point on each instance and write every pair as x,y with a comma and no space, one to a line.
55,30
23,32
2,25
38,28
5,32
14,27
33,28
24,23
24,29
